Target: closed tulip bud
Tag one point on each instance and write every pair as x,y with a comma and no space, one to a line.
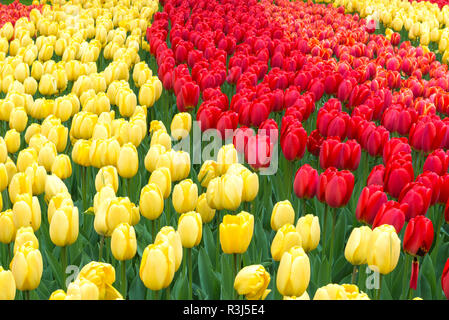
58,295
38,176
252,281
3,150
123,242
26,212
26,158
178,162
18,119
152,156
369,203
306,181
12,140
356,250
308,228
207,172
24,235
227,155
181,125
285,238
7,227
190,228
236,232
80,152
385,247
162,178
293,275
57,202
250,181
106,175
128,161
283,213
53,186
114,211
47,155
80,289
445,279
170,235
20,184
206,212
4,180
102,275
335,187
161,137
391,213
418,236
151,202
185,196
7,285
27,267
62,166
231,191
160,257
64,226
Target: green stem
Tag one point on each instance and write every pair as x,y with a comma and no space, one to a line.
331,251
27,295
100,252
153,229
64,265
190,272
303,202
167,212
217,251
326,208
123,276
235,271
407,266
354,274
156,295
437,236
167,293
84,174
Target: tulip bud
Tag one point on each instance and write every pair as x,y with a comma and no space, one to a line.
102,275
12,140
227,155
7,285
231,191
106,175
190,228
207,172
151,202
112,212
162,178
161,137
285,238
62,166
3,150
340,292
356,250
53,186
26,212
206,212
27,267
181,125
236,232
64,226
385,247
128,161
123,242
170,235
47,155
4,180
308,228
293,275
7,227
418,236
252,281
80,152
283,213
80,289
250,181
158,257
18,119
153,155
185,196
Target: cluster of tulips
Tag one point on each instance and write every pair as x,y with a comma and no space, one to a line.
10,13
95,94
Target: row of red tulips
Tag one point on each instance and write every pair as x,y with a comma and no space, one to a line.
15,10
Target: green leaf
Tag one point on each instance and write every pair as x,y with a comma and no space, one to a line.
137,290
56,267
208,280
428,273
227,283
181,287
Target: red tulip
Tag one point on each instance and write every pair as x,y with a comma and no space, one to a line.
188,97
293,139
418,236
398,172
432,181
335,187
394,146
391,213
241,136
346,155
418,198
258,151
306,181
426,134
314,142
370,201
333,123
437,161
445,279
227,123
376,176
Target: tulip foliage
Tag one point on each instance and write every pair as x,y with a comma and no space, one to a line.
330,180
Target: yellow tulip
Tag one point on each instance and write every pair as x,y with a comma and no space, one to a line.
151,202
356,249
177,161
12,140
3,150
152,156
185,196
181,125
102,275
80,289
62,166
7,227
206,212
57,202
285,238
26,211
106,175
283,213
385,247
157,266
231,191
26,158
190,228
250,181
7,285
207,172
308,227
339,292
47,155
236,232
64,226
18,119
4,179
252,281
114,211
128,161
53,186
293,275
162,178
123,242
27,267
58,295
227,155
170,235
161,137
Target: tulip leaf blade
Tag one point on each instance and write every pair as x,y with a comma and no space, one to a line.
137,290
181,286
428,272
56,267
208,280
227,283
